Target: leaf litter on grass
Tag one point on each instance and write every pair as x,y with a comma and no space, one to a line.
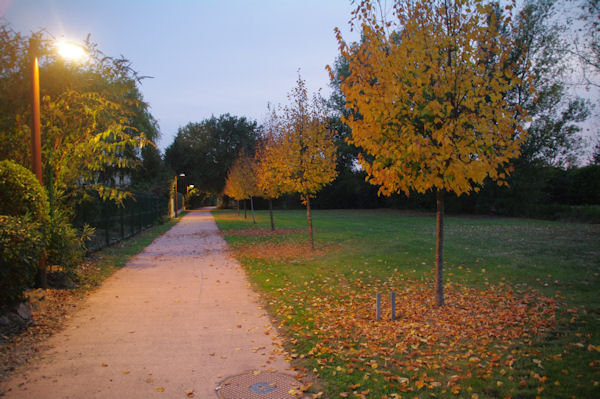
427,347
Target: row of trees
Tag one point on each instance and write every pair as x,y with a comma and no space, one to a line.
297,154
443,97
465,100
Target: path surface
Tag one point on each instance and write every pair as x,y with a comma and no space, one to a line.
180,317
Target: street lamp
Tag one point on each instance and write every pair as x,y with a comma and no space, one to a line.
66,50
176,191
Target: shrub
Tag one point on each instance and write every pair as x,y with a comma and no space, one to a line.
65,245
581,213
21,244
21,193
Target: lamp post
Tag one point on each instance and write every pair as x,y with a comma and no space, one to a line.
176,191
68,50
187,194
36,136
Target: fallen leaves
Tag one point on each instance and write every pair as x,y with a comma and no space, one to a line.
471,335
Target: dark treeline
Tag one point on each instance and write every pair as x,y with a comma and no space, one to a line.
544,192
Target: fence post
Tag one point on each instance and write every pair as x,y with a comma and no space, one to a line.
121,222
106,223
131,224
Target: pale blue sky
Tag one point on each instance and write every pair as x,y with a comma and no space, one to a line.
206,56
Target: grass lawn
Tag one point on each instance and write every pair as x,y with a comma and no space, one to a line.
521,320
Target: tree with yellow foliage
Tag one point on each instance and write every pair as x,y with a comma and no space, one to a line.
241,181
266,158
304,154
426,94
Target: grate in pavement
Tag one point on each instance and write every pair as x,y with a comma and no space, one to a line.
258,386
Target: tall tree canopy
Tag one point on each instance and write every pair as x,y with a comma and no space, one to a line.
205,151
553,136
427,93
94,120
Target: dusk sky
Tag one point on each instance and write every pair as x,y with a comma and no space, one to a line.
206,57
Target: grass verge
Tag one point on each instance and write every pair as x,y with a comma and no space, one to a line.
522,317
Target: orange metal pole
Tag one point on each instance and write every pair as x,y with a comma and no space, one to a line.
36,140
36,136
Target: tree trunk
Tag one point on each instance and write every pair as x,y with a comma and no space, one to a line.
252,209
41,278
238,207
310,230
439,244
245,213
271,214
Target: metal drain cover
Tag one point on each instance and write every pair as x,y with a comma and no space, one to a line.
258,386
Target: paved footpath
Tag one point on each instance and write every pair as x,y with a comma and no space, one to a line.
180,317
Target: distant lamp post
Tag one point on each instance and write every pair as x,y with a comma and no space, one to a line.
187,194
176,191
68,50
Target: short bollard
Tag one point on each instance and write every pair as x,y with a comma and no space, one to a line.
393,306
378,306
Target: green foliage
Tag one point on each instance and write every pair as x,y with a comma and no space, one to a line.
553,134
65,246
21,244
21,193
586,44
205,151
152,175
93,118
580,213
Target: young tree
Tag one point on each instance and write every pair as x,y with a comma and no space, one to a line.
241,181
426,90
306,158
267,157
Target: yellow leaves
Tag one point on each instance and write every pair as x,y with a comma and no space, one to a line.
472,334
431,84
160,389
298,154
241,178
